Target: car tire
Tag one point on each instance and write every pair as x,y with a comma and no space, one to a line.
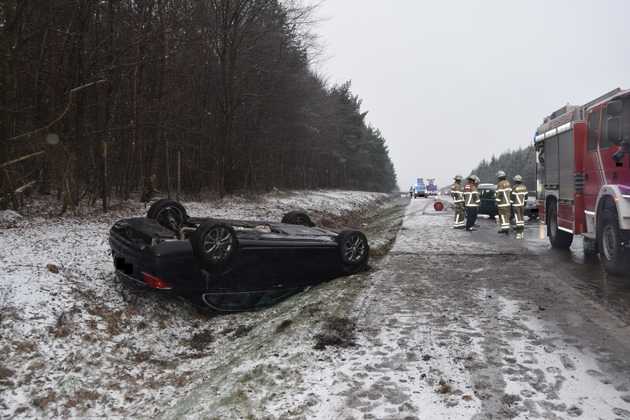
354,251
168,213
558,238
614,257
297,218
214,244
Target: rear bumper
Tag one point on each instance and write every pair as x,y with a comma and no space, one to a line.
130,279
174,263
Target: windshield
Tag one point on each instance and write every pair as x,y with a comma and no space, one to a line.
486,194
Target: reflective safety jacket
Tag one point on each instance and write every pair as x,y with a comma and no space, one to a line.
471,195
503,192
519,195
456,193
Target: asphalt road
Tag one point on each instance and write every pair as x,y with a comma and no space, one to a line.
459,324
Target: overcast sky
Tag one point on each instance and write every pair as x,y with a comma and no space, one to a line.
451,82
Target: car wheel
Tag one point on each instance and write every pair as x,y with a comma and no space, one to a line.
557,237
611,251
168,213
354,250
214,245
297,218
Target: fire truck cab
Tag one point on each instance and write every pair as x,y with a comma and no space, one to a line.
583,177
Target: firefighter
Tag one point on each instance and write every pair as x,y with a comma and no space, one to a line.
477,182
503,191
458,200
471,201
519,198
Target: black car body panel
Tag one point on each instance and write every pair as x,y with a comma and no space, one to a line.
488,204
269,256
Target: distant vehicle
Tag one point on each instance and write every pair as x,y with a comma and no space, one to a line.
583,177
432,188
488,203
219,262
420,189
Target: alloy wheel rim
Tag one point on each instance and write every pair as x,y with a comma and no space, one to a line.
354,249
218,243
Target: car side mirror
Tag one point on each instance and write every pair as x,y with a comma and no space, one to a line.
614,108
614,130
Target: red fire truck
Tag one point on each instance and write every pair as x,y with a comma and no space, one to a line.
583,177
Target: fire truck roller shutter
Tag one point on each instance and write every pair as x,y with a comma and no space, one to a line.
566,160
552,164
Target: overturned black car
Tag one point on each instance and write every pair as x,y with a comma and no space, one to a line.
230,264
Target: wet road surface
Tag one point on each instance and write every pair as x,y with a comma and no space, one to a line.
460,324
583,273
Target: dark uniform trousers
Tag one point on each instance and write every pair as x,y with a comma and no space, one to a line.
471,200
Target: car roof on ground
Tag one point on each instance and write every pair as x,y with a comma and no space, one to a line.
488,186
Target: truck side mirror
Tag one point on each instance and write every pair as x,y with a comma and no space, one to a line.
614,130
614,108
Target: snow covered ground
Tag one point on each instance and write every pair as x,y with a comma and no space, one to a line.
449,325
76,342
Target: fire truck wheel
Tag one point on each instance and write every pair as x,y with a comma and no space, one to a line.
613,255
557,237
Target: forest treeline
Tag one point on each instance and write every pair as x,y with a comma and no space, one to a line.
219,94
521,161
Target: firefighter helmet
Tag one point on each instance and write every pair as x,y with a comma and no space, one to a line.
457,178
518,178
501,174
476,179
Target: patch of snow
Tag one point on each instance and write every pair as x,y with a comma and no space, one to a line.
9,216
